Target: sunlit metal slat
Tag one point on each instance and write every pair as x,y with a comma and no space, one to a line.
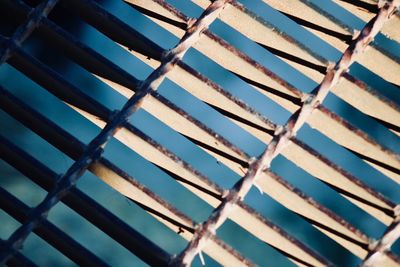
116,178
322,119
373,58
366,9
205,90
309,62
329,224
85,206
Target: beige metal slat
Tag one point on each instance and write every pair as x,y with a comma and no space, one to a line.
228,57
304,157
322,218
131,188
243,216
181,122
163,158
271,184
391,29
352,91
372,59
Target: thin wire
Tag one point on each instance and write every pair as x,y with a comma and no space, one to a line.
284,134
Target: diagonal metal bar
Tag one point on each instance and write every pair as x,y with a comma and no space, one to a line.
46,22
391,235
96,146
366,10
150,150
345,230
85,206
124,183
308,11
322,218
310,62
25,29
269,84
283,135
225,103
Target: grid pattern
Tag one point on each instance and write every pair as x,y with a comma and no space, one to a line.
306,108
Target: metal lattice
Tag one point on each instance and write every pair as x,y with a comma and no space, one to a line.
306,108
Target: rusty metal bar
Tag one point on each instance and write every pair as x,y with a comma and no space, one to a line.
124,85
284,94
25,29
335,226
121,181
49,232
310,62
234,109
100,217
148,149
308,11
330,222
365,10
283,135
380,247
96,146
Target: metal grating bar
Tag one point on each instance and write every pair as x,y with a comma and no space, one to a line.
309,62
319,17
85,206
280,91
143,145
95,148
160,115
19,260
391,235
283,135
285,200
116,178
168,64
365,10
26,28
262,129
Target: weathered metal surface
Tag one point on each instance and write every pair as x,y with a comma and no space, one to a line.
84,205
366,9
373,57
25,29
19,260
352,90
96,146
307,210
116,178
105,65
255,123
283,135
288,97
309,62
150,150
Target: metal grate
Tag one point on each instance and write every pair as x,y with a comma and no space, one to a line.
377,57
